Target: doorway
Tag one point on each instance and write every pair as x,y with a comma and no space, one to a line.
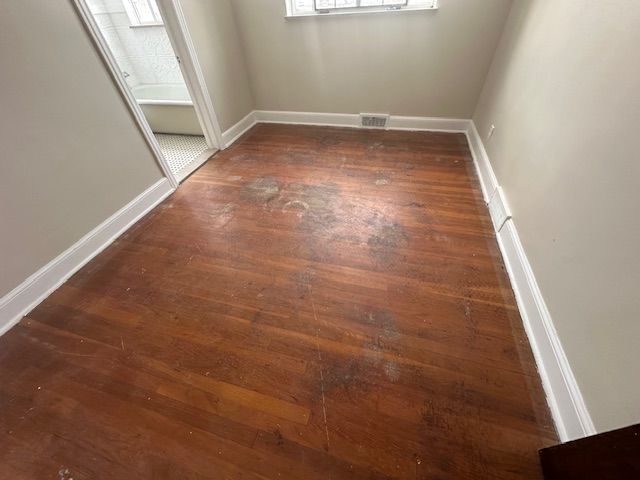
146,45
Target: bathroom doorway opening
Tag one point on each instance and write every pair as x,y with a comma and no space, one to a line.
149,52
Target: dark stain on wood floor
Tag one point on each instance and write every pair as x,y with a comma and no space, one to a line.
313,303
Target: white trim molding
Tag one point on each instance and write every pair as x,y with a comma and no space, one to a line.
182,43
292,12
565,400
498,208
26,296
488,180
230,136
308,118
428,124
432,124
351,120
105,53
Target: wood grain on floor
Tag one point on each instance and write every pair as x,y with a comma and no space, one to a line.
314,303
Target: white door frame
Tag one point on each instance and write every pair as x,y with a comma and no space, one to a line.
176,27
171,11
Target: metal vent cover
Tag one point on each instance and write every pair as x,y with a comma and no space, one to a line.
374,120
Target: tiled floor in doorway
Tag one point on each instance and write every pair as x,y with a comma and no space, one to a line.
181,151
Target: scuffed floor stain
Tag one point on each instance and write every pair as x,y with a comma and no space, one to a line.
388,236
472,322
298,158
382,319
296,205
243,158
373,352
318,205
385,242
222,214
278,437
223,209
392,371
405,167
382,179
323,210
348,377
434,416
320,197
303,281
328,141
375,146
262,190
377,349
64,474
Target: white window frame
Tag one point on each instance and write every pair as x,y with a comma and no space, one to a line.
134,15
292,13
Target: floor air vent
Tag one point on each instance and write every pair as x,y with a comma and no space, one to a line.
373,120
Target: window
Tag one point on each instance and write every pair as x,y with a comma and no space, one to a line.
142,12
300,8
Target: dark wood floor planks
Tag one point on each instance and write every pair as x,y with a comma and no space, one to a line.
312,303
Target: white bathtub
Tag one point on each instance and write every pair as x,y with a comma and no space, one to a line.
168,108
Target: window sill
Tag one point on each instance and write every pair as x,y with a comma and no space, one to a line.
145,25
372,11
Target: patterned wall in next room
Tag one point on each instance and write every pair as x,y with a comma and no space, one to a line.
144,52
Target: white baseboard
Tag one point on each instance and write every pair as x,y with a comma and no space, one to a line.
429,124
498,208
488,180
232,134
352,120
567,406
26,296
432,124
308,118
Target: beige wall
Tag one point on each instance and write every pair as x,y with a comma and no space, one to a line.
563,93
426,63
217,43
71,153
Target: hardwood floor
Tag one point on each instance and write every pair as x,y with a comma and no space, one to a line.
313,303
